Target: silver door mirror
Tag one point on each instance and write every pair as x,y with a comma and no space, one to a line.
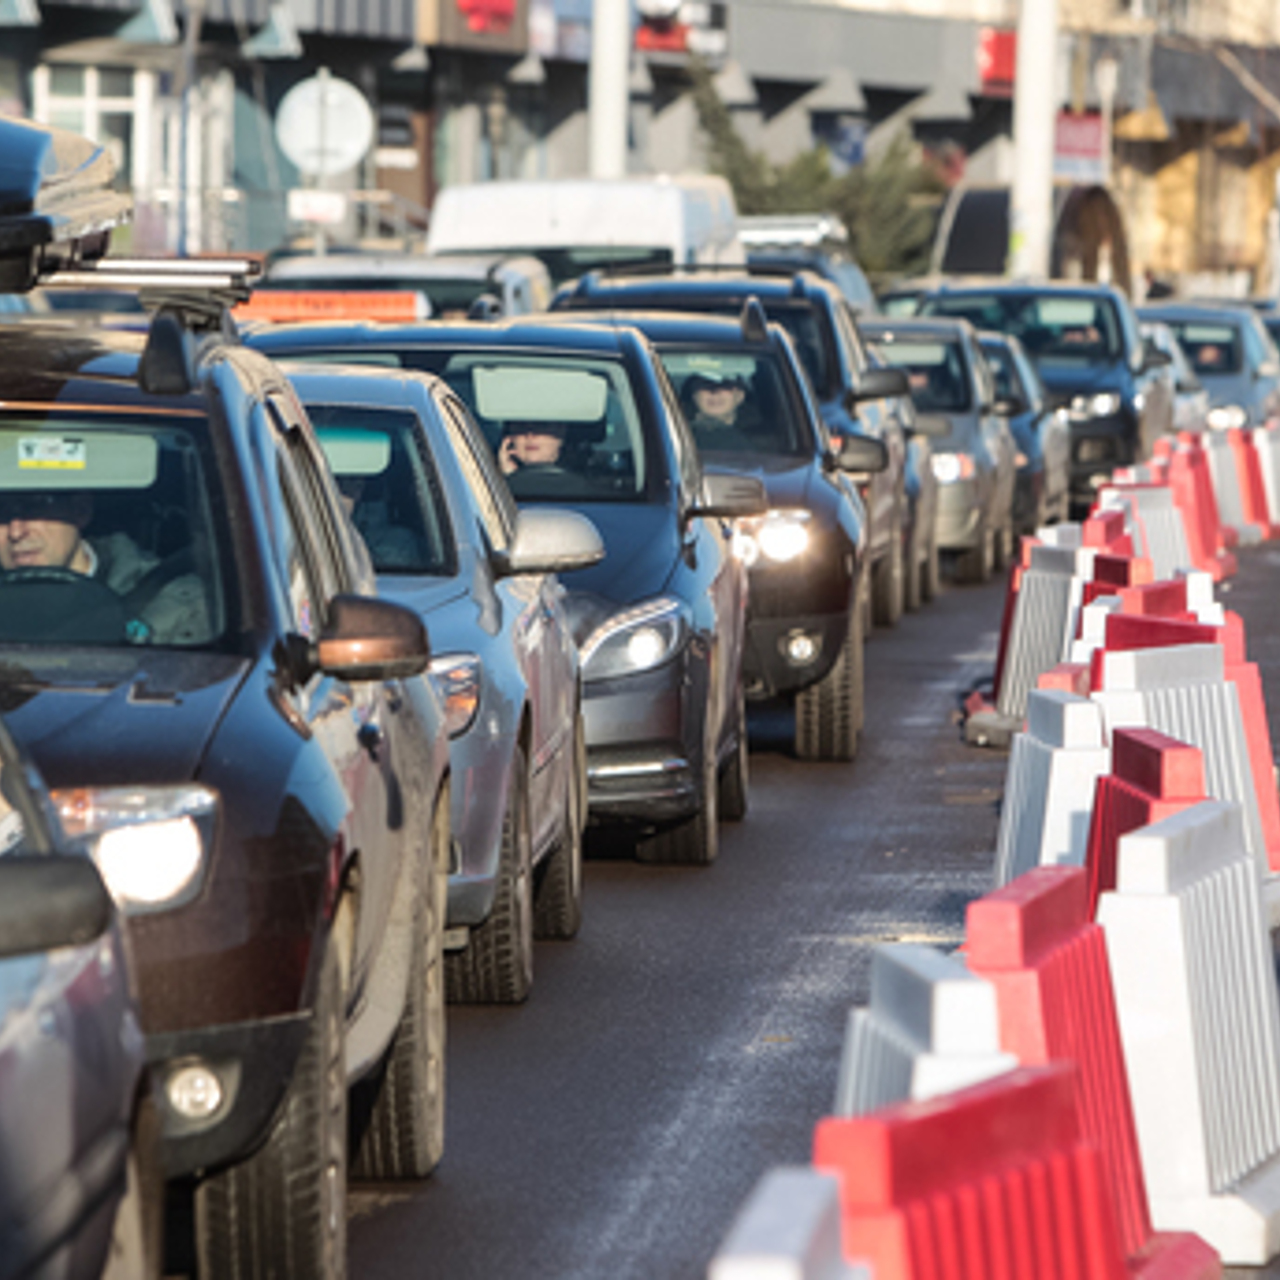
550,540
728,495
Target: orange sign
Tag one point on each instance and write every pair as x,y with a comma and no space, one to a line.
283,305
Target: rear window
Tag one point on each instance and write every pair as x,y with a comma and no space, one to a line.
1055,328
936,371
1211,348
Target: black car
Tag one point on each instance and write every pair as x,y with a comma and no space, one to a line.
853,395
660,620
1083,339
751,410
184,601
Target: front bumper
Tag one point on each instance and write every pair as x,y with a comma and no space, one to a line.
959,516
768,671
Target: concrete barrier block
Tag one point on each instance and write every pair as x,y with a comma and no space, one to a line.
1036,943
788,1229
991,1181
1049,784
931,1027
1200,1022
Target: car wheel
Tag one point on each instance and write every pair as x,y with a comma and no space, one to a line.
696,840
496,966
283,1211
137,1238
558,905
735,775
913,577
978,563
829,714
886,601
397,1114
931,571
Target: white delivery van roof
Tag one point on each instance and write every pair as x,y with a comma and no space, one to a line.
626,213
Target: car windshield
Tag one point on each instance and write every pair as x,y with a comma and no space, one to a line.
112,529
935,370
1055,328
737,402
1212,348
388,484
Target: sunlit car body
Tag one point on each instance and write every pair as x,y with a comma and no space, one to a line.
660,620
440,525
1041,434
1190,399
1083,339
76,1125
222,645
825,332
805,558
973,459
1233,357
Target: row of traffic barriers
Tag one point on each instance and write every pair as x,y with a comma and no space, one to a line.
1090,1086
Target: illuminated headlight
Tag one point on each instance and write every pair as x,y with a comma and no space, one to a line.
635,640
1226,417
456,679
950,467
151,844
779,535
194,1091
1100,405
1139,400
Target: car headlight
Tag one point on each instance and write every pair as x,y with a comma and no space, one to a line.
635,640
780,535
456,679
950,467
1102,404
151,844
1226,417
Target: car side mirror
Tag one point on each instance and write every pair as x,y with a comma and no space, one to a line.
49,901
876,384
1153,357
861,454
1009,406
371,639
551,541
931,424
727,494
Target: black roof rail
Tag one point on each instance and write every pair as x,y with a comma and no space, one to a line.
754,322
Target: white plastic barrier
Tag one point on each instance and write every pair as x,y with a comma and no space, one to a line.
1267,442
1155,524
931,1027
1069,535
1093,627
1048,793
1200,1022
1044,620
1182,691
1226,487
1201,600
788,1229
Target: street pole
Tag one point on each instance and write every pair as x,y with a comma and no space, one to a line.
1107,77
607,88
190,43
1035,110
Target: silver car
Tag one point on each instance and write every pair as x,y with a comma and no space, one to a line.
447,541
1190,399
973,449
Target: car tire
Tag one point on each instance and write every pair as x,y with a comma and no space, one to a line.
1005,543
931,571
558,904
978,563
695,842
887,585
829,714
397,1113
496,966
735,774
136,1251
913,577
283,1211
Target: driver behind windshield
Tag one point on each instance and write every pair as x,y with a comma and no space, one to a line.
45,530
533,455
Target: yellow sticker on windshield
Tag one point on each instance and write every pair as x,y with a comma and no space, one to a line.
51,453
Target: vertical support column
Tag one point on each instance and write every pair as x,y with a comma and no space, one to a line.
608,91
1035,105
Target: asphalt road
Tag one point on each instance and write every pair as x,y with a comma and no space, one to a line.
689,1039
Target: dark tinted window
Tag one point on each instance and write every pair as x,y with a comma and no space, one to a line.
1058,328
1000,361
1211,348
939,381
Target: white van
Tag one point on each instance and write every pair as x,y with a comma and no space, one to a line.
579,225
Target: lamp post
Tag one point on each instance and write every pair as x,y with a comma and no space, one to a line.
1035,108
607,88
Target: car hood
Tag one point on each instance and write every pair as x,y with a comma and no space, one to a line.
786,480
116,717
1062,381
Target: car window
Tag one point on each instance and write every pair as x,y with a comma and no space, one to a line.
1032,387
20,828
112,528
852,339
1000,361
682,443
936,372
736,401
806,331
1056,328
1258,344
296,556
475,462
388,484
1212,347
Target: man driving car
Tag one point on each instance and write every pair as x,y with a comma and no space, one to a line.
45,530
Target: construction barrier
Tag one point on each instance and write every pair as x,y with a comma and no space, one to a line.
991,1181
931,1027
788,1229
1036,943
1253,492
1199,1020
1155,522
1192,487
1223,470
1048,795
1266,444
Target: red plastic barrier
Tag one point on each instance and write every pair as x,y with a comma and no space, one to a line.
1153,776
1070,677
988,1183
1105,530
1253,493
1192,486
1036,942
1162,450
1010,607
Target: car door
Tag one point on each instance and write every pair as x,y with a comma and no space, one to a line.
348,719
995,435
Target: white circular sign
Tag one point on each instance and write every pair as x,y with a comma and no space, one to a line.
324,125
